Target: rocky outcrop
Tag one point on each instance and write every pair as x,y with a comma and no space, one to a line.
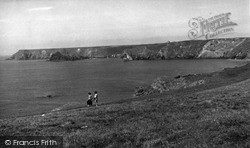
164,84
224,48
58,56
235,48
140,53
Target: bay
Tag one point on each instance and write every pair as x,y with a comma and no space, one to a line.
37,86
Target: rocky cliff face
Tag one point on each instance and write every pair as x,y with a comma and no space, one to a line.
58,56
217,48
238,48
225,49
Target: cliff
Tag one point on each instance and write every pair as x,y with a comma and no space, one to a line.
69,53
217,48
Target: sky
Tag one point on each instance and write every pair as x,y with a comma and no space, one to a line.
34,24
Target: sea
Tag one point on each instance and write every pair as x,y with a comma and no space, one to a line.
39,87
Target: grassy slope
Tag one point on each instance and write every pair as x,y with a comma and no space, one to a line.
214,117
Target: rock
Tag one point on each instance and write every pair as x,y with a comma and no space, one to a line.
84,126
58,57
47,95
163,84
139,91
177,77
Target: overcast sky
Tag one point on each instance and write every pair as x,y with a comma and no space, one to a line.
26,24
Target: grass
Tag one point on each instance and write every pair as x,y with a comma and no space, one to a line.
215,117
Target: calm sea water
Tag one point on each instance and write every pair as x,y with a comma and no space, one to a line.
24,84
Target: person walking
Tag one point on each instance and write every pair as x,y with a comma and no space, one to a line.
89,101
96,98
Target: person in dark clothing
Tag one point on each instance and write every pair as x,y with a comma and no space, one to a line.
89,101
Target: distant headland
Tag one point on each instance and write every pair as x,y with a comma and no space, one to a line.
224,48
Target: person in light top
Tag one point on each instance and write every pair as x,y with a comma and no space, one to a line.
96,98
